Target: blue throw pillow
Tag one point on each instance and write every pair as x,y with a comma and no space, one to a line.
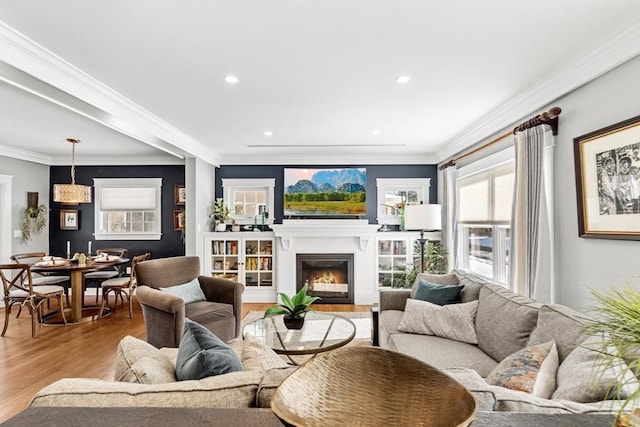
201,354
189,292
438,294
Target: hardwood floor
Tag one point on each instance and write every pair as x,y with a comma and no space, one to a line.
84,350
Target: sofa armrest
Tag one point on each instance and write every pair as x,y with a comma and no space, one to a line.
163,316
232,390
226,291
394,300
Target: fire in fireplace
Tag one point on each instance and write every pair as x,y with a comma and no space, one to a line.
328,276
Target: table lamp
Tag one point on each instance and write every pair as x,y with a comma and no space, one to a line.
424,218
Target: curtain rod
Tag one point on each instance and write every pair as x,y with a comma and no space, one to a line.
546,118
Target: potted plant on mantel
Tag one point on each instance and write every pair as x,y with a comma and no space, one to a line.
294,309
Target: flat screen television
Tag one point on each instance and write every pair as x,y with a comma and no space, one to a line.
325,193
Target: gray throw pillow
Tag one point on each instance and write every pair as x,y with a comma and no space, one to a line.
439,279
189,292
437,294
202,354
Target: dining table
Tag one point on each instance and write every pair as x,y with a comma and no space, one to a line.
76,271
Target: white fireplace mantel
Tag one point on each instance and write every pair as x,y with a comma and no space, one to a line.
290,230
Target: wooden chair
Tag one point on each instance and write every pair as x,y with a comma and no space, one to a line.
97,277
40,279
122,286
17,284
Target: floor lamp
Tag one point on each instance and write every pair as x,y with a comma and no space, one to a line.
424,218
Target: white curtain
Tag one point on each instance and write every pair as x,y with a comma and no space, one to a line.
447,192
532,240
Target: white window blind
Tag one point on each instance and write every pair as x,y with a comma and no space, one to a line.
128,199
486,196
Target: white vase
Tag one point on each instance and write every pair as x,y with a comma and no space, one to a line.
221,226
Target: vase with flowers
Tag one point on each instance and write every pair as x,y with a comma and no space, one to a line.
218,214
398,209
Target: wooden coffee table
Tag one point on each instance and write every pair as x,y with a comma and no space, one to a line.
321,332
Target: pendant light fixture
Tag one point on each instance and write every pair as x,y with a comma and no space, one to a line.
72,194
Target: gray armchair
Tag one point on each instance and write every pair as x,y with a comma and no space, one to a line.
164,313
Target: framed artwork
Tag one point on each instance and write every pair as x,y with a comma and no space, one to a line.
178,220
180,195
68,219
607,163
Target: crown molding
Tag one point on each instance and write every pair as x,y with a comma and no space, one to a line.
124,116
332,159
20,154
609,55
118,161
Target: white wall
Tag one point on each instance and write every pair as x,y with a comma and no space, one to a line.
591,263
27,177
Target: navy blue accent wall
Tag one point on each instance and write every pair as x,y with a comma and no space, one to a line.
169,245
373,172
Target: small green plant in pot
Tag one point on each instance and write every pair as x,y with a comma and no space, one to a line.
294,309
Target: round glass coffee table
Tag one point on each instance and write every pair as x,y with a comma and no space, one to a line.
321,332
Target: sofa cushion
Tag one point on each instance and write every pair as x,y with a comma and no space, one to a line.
442,353
583,377
472,284
455,321
437,294
388,322
504,321
270,382
478,387
532,370
560,324
257,356
189,292
201,354
140,362
438,279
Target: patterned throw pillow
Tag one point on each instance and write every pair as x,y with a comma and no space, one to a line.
256,356
532,370
201,354
454,321
189,292
437,294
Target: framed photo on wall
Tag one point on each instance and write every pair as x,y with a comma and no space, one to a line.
68,219
607,163
180,195
178,220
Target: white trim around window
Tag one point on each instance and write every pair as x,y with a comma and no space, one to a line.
247,197
128,208
418,186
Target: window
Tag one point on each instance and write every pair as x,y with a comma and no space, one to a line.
249,198
128,208
393,191
484,200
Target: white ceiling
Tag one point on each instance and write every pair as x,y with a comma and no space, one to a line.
318,74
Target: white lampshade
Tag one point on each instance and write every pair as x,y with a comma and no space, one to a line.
423,217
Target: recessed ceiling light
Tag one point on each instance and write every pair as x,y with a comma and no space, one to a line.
231,79
268,133
375,132
403,79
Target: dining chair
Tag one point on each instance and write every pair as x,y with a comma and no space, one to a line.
18,288
40,279
122,286
97,277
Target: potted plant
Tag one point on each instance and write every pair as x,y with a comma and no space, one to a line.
616,319
34,221
294,309
219,213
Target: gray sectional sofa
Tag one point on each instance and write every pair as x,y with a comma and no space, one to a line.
505,322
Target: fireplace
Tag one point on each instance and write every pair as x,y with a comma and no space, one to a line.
328,276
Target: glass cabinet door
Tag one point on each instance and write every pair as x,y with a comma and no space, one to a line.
392,261
225,259
258,262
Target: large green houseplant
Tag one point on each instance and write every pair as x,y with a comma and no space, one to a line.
294,309
616,318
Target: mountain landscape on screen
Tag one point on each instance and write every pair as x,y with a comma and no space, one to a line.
325,192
